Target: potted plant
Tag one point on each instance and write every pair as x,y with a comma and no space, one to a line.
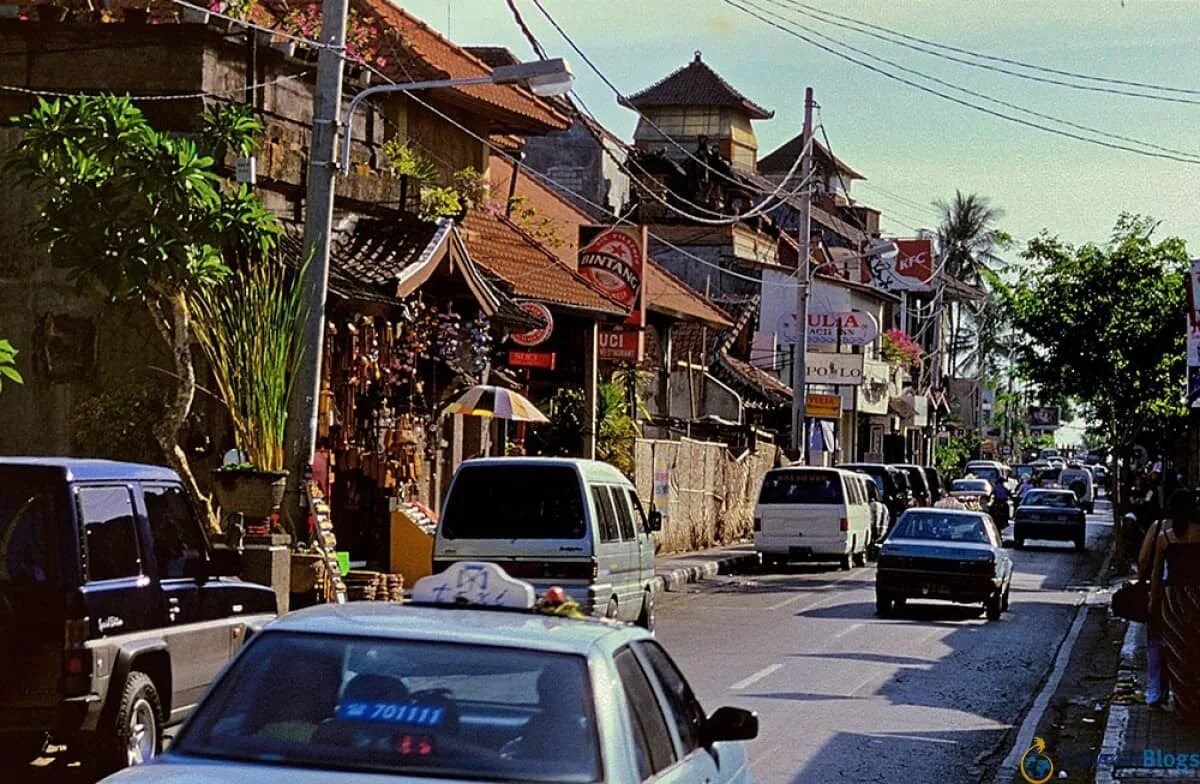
246,327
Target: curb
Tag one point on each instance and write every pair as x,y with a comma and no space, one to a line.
1118,714
672,579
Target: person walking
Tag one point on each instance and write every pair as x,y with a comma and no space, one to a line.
1175,602
1157,692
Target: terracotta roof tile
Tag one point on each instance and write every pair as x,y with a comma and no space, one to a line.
780,160
665,293
696,85
528,268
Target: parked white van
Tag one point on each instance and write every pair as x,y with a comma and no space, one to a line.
573,523
819,513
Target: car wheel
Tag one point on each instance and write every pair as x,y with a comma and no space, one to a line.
1004,601
136,733
611,610
993,606
860,558
847,561
883,604
646,616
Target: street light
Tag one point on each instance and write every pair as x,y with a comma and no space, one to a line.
545,78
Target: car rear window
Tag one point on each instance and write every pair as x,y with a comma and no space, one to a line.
515,502
971,484
940,527
396,706
801,487
1057,500
27,528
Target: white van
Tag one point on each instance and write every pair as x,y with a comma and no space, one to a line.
577,524
1079,479
819,513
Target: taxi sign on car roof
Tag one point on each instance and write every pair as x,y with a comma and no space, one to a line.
475,583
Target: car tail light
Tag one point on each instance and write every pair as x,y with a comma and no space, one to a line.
845,524
758,524
77,660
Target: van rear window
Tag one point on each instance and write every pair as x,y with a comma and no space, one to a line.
26,529
801,487
515,502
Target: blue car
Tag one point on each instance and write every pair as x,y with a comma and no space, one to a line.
473,681
1050,514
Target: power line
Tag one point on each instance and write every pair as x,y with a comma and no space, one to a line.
754,12
897,197
151,98
993,58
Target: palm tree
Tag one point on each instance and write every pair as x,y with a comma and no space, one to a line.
967,241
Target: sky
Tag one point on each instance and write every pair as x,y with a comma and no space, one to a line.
915,148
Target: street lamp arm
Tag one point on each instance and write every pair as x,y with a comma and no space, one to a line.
363,95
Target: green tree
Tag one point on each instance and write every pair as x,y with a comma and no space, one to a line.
8,364
967,241
1105,327
138,214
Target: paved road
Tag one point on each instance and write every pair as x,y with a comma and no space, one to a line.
843,695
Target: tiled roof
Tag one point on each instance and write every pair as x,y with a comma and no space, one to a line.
696,85
527,268
419,52
781,159
665,293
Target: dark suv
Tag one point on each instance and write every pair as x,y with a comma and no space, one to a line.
115,612
891,482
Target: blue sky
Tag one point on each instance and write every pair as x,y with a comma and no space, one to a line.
908,143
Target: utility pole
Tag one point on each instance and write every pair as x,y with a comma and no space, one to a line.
301,431
800,364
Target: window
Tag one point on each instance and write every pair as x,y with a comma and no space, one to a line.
177,537
685,710
624,516
606,518
640,517
654,749
801,487
27,528
515,502
109,533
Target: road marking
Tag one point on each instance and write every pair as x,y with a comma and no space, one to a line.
803,593
845,631
756,677
889,736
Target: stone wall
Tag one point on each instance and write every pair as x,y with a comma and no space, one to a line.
712,492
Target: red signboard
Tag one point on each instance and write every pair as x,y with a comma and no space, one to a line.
613,261
535,336
622,346
900,265
533,359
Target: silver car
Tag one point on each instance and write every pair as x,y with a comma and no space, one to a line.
471,682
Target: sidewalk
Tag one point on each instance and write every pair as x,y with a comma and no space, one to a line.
1137,740
673,572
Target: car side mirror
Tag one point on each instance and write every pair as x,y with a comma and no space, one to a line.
730,724
654,520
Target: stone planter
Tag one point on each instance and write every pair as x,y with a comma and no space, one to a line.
255,494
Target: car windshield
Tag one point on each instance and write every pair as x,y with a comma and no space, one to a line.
801,487
972,485
515,502
402,706
986,472
940,527
1058,500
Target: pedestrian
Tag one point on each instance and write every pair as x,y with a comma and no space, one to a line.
1025,486
1157,692
1175,602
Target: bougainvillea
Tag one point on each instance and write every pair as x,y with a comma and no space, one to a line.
361,35
898,348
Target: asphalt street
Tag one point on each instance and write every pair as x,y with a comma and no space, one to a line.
935,694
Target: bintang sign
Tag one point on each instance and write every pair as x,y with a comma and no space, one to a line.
613,259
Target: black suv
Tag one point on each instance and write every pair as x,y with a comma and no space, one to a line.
115,612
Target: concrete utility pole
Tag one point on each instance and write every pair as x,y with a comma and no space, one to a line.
301,432
800,362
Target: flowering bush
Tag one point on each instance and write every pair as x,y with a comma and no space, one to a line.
361,35
898,348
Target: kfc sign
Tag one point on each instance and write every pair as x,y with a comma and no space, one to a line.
900,265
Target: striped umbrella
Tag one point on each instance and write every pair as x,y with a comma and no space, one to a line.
489,401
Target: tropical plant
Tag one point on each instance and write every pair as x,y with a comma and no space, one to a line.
951,457
616,426
137,214
406,160
246,325
898,348
8,364
438,202
967,243
1103,326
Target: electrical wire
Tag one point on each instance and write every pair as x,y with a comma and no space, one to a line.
990,99
993,58
755,12
911,203
153,98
